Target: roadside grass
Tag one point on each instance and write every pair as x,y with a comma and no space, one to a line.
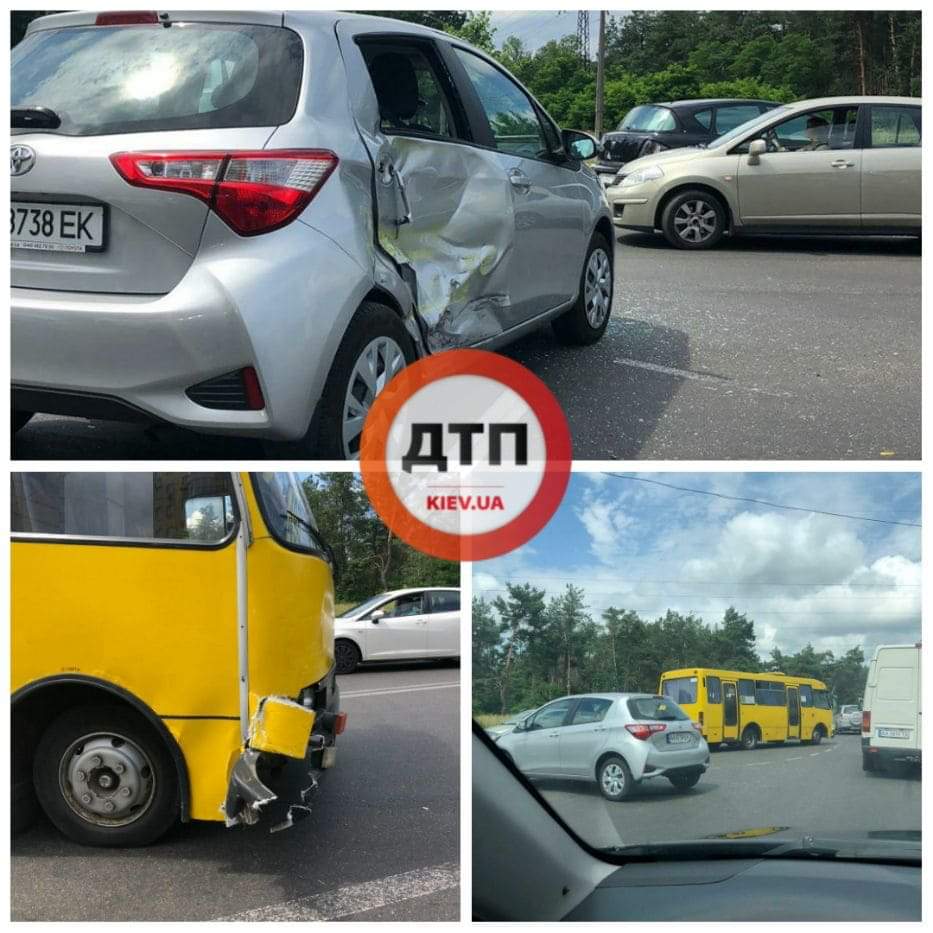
486,720
341,608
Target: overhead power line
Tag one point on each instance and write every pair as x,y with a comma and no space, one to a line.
764,502
522,577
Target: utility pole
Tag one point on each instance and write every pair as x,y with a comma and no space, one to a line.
600,73
583,35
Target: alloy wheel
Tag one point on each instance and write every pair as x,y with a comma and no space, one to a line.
597,288
696,221
379,361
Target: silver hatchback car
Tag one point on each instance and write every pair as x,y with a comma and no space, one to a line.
618,740
248,222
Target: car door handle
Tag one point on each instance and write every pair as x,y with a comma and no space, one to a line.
842,163
518,179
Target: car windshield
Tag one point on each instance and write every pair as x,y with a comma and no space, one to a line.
747,127
364,607
700,656
649,119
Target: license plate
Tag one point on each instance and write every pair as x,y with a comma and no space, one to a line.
57,228
679,738
893,733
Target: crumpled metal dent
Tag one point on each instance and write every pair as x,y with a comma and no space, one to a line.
457,242
246,793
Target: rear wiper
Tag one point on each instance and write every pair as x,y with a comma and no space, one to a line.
34,118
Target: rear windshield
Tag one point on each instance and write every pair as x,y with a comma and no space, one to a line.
102,80
649,120
657,709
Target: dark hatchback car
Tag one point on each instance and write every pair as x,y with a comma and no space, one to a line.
651,128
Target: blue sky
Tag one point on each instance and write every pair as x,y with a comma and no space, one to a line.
538,27
801,576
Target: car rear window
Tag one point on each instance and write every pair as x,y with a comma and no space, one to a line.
102,80
656,709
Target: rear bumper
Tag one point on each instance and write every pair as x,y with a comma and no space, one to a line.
276,776
662,764
278,303
884,753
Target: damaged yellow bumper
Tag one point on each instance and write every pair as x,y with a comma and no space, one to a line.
277,772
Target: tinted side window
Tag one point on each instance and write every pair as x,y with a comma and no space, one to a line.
411,93
769,693
411,604
806,695
821,699
704,118
895,127
590,709
512,118
713,690
445,601
747,692
192,507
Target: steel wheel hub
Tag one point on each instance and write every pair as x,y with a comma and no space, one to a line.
106,779
380,360
597,288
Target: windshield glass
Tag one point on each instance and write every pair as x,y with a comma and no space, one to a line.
748,126
286,511
134,79
649,119
363,607
734,630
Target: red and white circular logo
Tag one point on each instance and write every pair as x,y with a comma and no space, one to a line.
465,455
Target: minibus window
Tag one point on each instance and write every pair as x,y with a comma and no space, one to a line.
191,508
821,699
681,689
806,695
747,692
285,510
713,689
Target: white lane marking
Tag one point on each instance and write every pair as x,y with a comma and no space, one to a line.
710,379
798,758
409,689
356,898
814,754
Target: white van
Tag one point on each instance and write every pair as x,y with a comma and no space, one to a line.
891,709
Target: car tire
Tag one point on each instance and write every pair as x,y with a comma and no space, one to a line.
588,319
816,737
21,419
614,778
126,741
694,213
347,656
714,746
375,328
685,781
749,738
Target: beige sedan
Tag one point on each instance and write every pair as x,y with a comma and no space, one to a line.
840,165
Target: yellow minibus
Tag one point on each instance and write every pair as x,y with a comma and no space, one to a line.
744,708
172,651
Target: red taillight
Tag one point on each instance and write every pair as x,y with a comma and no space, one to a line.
644,730
866,720
130,18
252,192
340,723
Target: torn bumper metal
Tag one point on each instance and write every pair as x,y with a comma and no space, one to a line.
275,777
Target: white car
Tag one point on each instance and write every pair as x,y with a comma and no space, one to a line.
399,625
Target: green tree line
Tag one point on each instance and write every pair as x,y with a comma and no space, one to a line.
528,649
370,557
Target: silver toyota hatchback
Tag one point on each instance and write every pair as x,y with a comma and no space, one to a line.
618,740
248,222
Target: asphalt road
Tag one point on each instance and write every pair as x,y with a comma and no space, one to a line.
821,790
766,348
381,844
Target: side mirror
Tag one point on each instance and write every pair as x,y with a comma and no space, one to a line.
756,149
579,145
376,615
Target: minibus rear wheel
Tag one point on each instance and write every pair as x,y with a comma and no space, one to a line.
749,738
105,778
346,655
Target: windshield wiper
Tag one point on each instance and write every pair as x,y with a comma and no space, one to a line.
34,118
